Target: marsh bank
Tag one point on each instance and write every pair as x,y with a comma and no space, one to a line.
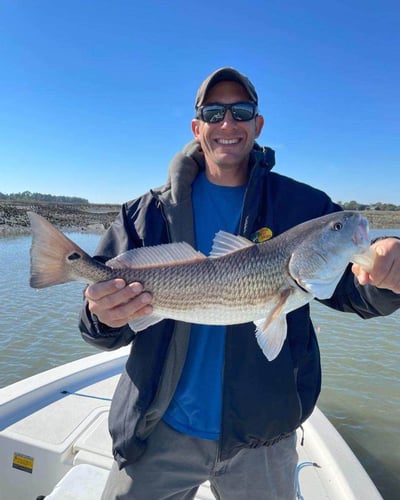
96,218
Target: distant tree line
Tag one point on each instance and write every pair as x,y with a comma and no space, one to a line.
27,196
354,205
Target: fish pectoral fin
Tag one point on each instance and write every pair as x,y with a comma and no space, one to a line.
225,243
170,253
271,332
144,322
271,340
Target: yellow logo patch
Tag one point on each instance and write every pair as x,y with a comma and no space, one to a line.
263,234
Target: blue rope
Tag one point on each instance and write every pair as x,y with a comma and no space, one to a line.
297,477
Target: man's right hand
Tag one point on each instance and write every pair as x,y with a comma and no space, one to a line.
115,303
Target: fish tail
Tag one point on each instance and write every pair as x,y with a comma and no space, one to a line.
51,252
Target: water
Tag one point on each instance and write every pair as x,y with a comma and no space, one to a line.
361,382
38,328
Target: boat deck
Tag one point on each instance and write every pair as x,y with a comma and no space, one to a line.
54,439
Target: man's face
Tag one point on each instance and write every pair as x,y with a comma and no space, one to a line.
227,144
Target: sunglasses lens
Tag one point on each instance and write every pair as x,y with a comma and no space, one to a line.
241,112
213,113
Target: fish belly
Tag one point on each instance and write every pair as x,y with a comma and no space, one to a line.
218,313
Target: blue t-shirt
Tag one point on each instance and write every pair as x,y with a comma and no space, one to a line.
196,406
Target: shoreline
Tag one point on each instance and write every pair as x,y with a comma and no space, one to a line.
96,218
93,218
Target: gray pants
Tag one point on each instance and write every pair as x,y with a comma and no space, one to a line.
175,464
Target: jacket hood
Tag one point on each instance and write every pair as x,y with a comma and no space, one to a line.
186,164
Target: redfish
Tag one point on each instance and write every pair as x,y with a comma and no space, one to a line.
239,281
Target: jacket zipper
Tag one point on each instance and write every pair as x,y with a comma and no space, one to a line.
298,396
161,208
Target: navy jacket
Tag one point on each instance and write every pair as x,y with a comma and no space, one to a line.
262,401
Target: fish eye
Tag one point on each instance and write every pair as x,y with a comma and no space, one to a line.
337,226
74,256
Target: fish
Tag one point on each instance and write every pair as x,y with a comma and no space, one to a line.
239,282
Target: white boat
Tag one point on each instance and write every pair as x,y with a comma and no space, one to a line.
54,440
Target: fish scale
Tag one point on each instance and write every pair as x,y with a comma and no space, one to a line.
178,288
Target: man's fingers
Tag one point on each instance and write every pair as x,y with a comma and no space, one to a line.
124,313
115,303
97,291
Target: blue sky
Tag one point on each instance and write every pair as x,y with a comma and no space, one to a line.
97,96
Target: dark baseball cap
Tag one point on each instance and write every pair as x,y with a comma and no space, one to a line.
223,75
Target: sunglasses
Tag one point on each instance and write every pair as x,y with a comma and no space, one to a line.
214,113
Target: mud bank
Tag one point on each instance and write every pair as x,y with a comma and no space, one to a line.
97,218
85,218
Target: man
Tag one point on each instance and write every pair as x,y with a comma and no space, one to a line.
200,402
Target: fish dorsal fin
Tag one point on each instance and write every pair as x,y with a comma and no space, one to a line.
152,256
225,243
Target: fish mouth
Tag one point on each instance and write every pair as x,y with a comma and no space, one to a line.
361,234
